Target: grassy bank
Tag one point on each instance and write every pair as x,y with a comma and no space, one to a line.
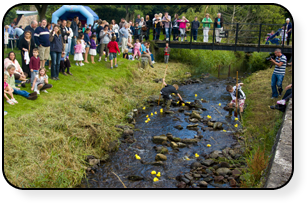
46,140
261,122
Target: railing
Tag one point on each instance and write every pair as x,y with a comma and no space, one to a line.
236,33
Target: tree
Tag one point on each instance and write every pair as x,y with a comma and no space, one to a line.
41,9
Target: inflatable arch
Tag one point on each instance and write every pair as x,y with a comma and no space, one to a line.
68,12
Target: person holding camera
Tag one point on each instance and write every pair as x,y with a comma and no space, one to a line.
279,72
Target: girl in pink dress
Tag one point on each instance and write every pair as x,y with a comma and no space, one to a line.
78,53
137,47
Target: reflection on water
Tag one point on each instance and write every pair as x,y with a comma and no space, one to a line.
124,163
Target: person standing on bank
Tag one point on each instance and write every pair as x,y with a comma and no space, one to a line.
56,49
26,44
218,23
206,27
41,37
74,27
69,38
279,72
65,34
32,28
288,28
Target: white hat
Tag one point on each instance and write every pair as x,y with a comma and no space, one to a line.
288,19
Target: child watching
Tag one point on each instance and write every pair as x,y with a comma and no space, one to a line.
8,90
93,46
83,43
41,82
137,47
167,91
240,96
125,54
88,43
34,64
113,48
167,51
78,53
65,64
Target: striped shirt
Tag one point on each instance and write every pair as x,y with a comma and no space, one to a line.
41,36
282,69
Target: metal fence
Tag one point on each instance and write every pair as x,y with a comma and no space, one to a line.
235,33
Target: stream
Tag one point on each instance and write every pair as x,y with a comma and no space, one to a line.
123,162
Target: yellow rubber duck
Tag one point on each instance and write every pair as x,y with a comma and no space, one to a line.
196,155
236,125
155,112
224,130
236,119
153,172
161,110
209,117
196,95
149,119
178,102
219,104
147,116
186,158
208,145
183,104
155,179
137,157
143,108
158,174
152,114
146,121
188,102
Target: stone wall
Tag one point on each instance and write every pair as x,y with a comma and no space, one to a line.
281,165
26,20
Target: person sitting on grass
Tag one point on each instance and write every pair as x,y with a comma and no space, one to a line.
145,54
41,82
8,90
281,104
11,82
147,45
166,93
125,54
113,49
240,96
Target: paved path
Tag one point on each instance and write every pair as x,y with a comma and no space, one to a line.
281,169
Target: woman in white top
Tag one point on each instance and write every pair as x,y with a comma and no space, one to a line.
115,29
6,36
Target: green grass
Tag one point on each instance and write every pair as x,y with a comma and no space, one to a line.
261,122
46,140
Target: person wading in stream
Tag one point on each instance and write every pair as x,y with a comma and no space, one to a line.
167,91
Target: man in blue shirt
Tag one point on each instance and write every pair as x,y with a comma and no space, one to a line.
123,32
32,27
278,74
41,37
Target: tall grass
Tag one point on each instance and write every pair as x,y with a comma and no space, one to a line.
261,122
46,140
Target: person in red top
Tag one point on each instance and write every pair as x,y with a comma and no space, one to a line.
167,51
113,48
34,64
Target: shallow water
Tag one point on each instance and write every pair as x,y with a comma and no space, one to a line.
123,162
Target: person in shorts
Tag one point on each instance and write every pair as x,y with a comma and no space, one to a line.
113,49
41,37
240,96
